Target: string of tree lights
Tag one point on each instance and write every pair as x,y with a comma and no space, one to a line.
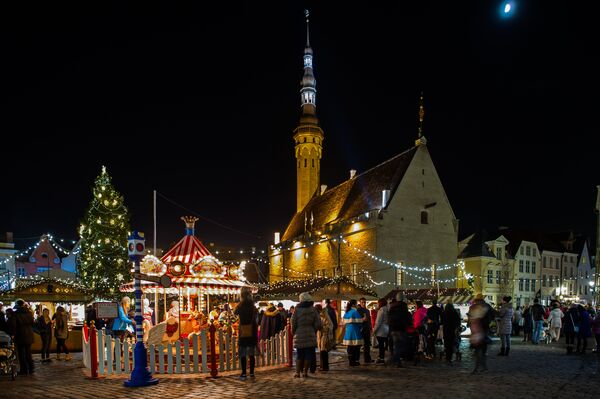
103,262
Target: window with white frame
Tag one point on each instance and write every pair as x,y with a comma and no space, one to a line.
490,276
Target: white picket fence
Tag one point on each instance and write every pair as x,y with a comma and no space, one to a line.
185,356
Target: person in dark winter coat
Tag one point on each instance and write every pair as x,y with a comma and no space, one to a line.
334,321
305,323
280,319
366,329
585,329
434,320
22,327
570,321
400,320
527,323
268,323
450,324
247,331
44,327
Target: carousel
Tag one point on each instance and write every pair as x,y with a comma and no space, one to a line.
195,276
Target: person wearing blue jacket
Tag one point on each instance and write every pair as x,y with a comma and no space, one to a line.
122,321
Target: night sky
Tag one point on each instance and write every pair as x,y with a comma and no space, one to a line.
199,101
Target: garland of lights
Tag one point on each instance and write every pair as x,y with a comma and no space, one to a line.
29,281
299,286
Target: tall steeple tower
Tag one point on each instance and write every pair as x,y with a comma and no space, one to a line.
308,136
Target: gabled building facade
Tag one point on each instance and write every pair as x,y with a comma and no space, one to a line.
390,226
489,266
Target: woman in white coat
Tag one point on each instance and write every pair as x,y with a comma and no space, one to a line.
381,329
555,321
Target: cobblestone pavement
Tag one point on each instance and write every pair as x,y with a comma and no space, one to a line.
542,371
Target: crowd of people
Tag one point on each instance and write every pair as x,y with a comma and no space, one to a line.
20,323
390,327
575,322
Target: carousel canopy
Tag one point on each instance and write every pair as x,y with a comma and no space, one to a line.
338,288
190,265
188,250
205,285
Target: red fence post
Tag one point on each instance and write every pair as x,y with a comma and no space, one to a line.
290,344
93,337
213,351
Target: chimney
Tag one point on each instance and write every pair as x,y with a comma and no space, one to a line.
277,239
352,173
323,188
385,196
9,236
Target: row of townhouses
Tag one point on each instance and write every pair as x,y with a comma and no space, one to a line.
526,265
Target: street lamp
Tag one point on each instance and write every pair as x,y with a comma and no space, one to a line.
593,292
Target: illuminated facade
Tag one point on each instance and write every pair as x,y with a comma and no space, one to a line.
367,227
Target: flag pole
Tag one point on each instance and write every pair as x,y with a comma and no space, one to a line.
154,249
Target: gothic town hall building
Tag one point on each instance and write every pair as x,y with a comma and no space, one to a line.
388,227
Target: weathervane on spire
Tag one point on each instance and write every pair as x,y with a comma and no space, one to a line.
421,115
306,13
421,140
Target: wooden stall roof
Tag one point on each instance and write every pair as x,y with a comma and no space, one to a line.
339,288
38,291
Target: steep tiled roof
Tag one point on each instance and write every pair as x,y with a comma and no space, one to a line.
477,246
353,197
515,237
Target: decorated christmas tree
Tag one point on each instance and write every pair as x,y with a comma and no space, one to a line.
103,262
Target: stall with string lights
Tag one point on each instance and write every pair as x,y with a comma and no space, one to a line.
50,292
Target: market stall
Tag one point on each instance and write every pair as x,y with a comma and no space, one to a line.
51,292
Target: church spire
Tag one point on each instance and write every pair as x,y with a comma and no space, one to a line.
308,91
308,136
421,140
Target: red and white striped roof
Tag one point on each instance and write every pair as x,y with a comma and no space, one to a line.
188,251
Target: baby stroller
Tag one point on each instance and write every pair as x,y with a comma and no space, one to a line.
546,335
8,356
